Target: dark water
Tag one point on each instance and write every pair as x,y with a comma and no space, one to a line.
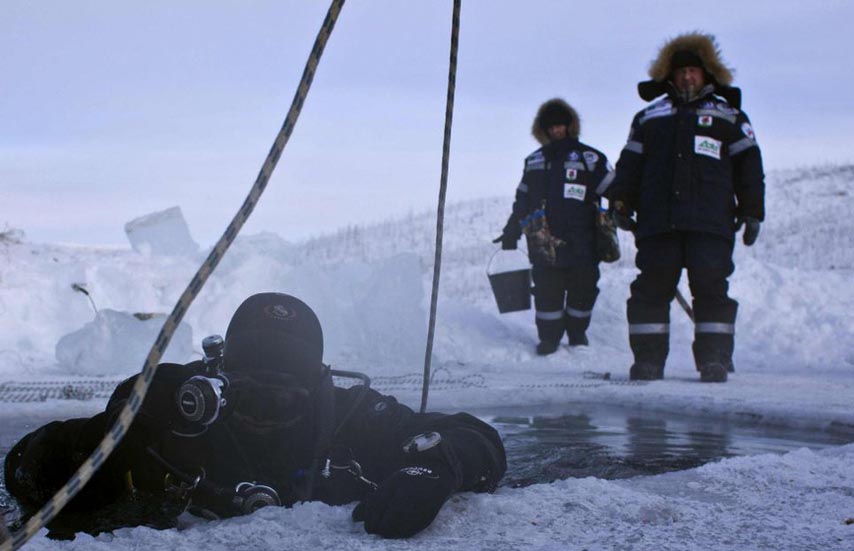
614,443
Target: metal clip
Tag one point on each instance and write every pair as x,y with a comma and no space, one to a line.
182,490
356,470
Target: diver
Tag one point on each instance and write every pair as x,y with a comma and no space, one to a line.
258,423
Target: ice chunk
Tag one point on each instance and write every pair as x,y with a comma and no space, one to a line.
163,232
116,343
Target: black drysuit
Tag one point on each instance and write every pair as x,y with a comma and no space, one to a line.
141,483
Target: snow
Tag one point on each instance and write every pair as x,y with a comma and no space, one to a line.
117,339
370,288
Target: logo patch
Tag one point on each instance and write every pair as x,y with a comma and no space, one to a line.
571,174
280,312
574,191
591,158
574,156
710,147
418,471
748,130
705,120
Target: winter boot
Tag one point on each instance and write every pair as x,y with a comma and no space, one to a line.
578,339
545,348
713,372
646,371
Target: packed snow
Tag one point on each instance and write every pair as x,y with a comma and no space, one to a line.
370,288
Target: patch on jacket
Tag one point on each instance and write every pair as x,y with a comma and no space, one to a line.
574,191
710,147
535,161
662,108
591,159
726,109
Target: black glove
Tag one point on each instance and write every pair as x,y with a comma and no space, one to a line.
406,502
622,216
751,230
508,242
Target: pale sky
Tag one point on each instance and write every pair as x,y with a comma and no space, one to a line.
111,110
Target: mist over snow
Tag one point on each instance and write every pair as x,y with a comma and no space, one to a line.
370,286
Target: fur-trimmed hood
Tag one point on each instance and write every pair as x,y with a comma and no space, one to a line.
705,47
573,129
700,44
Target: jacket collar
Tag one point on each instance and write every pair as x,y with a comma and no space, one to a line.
648,90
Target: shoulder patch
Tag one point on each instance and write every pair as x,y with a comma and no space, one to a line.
726,109
661,108
535,161
591,158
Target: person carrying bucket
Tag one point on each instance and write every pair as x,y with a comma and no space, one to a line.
557,207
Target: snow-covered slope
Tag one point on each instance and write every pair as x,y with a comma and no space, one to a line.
370,288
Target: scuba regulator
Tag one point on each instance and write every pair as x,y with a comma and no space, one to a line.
201,398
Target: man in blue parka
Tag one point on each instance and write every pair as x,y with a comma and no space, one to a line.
557,202
692,172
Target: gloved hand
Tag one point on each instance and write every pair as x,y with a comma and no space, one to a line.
508,243
751,230
622,215
406,502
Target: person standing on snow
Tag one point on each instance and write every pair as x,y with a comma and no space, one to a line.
692,172
556,206
261,424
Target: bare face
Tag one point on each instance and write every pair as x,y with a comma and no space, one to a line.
688,80
556,132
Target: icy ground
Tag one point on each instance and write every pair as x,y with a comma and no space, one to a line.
370,287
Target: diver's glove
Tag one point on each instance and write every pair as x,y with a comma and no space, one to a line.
406,502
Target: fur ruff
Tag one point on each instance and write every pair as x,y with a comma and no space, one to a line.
573,130
703,46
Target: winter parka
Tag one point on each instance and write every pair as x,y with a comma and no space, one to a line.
690,166
561,178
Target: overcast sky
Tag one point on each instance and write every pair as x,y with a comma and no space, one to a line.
111,110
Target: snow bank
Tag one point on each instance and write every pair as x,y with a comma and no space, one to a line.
117,343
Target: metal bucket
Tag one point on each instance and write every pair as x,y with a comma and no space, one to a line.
512,289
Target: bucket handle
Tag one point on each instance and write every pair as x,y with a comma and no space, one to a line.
491,258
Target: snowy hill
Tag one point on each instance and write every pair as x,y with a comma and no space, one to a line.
370,288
